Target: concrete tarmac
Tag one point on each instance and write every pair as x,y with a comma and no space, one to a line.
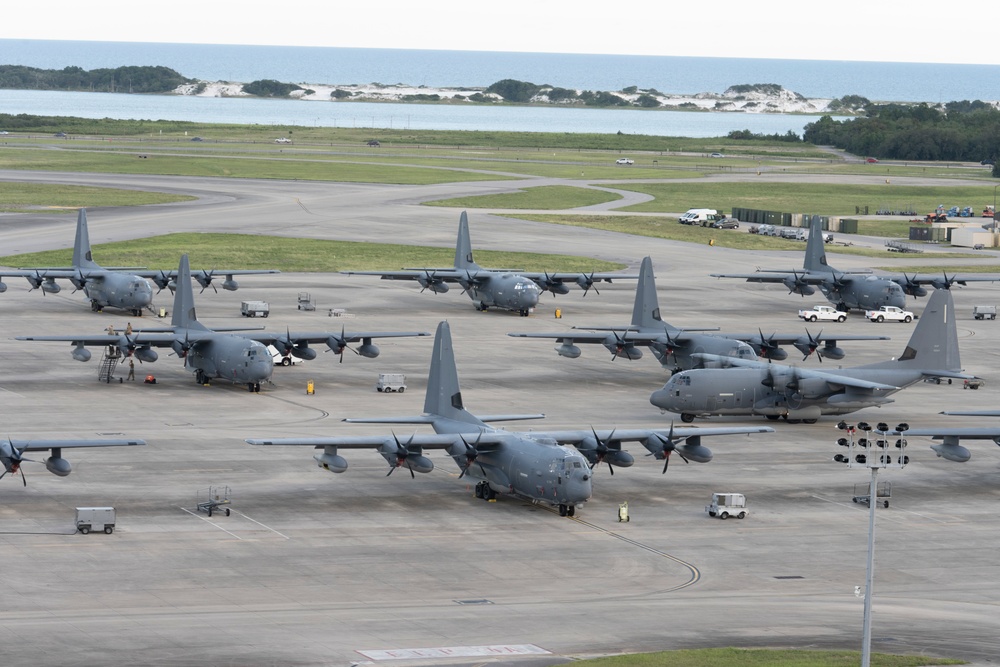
313,568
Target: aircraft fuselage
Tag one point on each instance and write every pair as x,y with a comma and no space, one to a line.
234,358
865,293
119,290
780,391
507,291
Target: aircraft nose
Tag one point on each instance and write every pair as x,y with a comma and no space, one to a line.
660,398
529,299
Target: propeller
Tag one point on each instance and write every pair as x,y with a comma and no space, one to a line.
467,283
948,282
587,283
620,346
79,281
36,282
797,284
767,345
162,280
12,460
602,450
402,455
669,447
471,453
341,344
813,346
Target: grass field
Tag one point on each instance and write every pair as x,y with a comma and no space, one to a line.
292,254
49,198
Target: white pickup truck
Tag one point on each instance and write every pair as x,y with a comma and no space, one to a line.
827,313
889,313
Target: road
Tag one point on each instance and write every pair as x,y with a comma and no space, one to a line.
313,568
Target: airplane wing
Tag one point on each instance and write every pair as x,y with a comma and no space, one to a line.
951,437
449,275
204,278
942,281
556,282
831,378
579,437
297,342
424,440
44,445
800,276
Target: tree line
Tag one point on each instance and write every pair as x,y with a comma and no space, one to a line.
960,131
131,79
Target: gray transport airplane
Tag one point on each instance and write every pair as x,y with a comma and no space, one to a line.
504,289
241,358
775,391
681,348
12,453
533,465
847,290
127,288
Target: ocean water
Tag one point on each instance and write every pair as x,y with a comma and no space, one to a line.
669,74
877,81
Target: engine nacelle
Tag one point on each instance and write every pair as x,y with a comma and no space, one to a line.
303,351
554,286
435,285
146,354
831,351
617,457
58,466
797,287
230,285
3,287
331,462
956,452
584,282
568,350
368,350
179,349
80,353
50,286
695,451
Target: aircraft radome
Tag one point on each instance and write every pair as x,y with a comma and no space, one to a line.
503,289
241,358
775,391
851,290
118,287
681,348
534,465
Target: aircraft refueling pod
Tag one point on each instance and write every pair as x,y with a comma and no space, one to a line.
568,349
330,460
3,287
80,353
230,284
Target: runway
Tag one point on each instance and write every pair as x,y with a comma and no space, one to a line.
313,568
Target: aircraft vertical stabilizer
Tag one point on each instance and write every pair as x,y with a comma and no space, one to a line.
82,257
184,315
815,250
934,342
646,311
463,246
444,396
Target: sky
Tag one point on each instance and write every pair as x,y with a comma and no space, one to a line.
866,30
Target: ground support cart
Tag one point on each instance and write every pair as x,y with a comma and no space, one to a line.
862,493
213,498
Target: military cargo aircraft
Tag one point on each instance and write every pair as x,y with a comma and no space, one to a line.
504,289
534,465
11,453
680,349
118,287
848,289
797,394
241,358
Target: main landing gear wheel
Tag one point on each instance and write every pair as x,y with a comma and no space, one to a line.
687,417
199,376
563,510
253,387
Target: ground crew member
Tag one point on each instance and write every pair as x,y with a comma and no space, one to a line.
128,329
131,370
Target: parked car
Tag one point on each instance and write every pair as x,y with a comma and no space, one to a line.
988,161
624,160
717,155
60,135
374,143
725,223
197,139
282,140
871,160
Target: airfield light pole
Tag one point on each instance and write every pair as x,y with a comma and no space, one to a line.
874,455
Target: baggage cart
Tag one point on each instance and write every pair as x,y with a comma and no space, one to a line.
306,302
862,493
212,498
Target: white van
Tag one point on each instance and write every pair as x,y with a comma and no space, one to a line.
699,216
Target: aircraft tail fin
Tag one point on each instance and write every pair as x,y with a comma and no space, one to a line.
463,246
934,342
82,256
646,311
815,249
184,314
444,396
